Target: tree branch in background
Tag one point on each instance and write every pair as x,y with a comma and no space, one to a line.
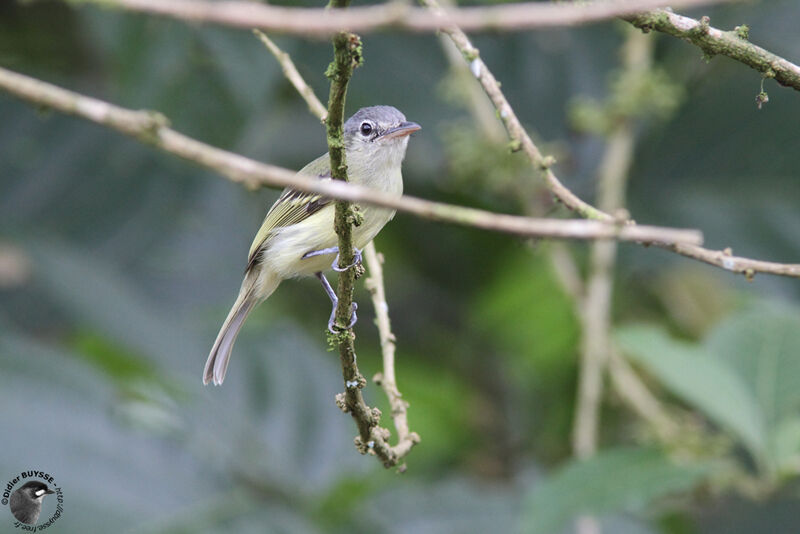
715,42
152,128
391,15
594,310
290,71
521,140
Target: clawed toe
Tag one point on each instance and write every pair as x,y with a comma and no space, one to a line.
356,261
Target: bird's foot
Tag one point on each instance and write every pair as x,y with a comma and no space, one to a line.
332,327
356,261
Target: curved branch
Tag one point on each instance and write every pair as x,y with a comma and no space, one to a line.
392,15
715,42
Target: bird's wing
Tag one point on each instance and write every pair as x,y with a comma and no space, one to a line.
292,206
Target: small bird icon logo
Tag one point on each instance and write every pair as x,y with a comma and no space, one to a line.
26,502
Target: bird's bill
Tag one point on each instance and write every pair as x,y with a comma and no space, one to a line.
49,491
405,128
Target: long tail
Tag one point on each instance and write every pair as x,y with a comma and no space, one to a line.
252,292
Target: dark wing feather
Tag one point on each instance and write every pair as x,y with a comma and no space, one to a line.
292,207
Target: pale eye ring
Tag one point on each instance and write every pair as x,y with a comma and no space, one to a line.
366,128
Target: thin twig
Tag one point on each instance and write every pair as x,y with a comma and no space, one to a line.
520,139
387,379
391,15
290,71
152,128
715,42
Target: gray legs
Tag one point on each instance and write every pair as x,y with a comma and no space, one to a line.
335,302
335,264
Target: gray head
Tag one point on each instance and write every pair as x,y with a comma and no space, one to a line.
378,130
26,502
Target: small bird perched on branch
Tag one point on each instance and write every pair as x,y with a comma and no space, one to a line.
297,237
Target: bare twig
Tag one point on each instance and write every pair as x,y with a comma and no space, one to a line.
520,138
405,438
290,71
152,128
715,42
391,15
735,264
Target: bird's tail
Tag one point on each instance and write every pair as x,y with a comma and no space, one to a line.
254,290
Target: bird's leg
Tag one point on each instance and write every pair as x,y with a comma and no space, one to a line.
320,252
335,302
335,264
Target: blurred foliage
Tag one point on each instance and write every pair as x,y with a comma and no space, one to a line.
617,479
118,263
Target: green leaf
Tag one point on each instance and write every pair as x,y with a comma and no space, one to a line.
707,383
624,479
761,345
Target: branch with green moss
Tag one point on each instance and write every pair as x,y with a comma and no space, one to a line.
734,44
374,261
372,438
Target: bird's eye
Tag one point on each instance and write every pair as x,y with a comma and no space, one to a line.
366,128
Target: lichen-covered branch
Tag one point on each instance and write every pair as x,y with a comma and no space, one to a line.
390,15
374,261
715,42
372,438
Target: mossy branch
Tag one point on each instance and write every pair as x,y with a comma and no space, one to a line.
374,261
372,438
715,42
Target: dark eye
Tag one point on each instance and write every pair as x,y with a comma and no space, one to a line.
366,128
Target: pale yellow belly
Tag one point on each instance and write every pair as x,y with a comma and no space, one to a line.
287,246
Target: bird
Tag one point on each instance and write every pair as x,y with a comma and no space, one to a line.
26,502
297,237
